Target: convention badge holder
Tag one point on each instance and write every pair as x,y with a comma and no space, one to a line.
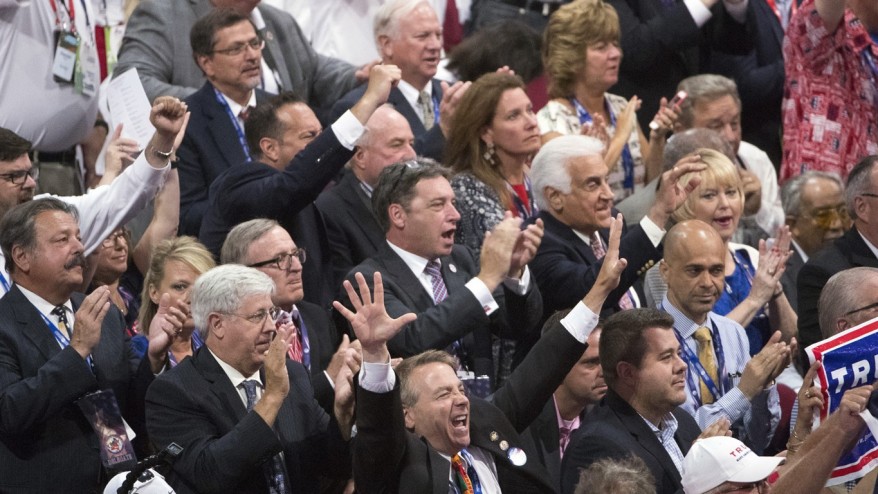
66,48
87,73
478,386
102,411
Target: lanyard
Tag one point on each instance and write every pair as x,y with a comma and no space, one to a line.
627,159
235,123
693,363
525,211
63,340
4,282
435,109
70,15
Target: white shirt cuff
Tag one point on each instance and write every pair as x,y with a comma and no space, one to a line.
483,295
377,378
738,11
348,129
652,231
518,285
700,14
331,382
580,322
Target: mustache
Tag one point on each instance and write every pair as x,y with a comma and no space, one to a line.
78,260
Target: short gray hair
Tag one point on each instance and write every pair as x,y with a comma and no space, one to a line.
222,289
684,143
629,475
707,87
859,181
837,297
18,226
549,167
386,20
239,239
791,192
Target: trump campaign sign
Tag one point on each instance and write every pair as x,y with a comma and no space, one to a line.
850,360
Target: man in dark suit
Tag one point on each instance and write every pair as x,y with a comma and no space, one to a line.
263,244
155,43
813,203
409,35
421,433
665,41
227,49
640,414
458,302
278,186
857,247
55,348
238,403
351,227
576,217
581,390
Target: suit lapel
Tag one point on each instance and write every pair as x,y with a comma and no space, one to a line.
411,290
454,278
402,105
32,324
220,385
277,57
643,435
221,129
360,208
566,233
861,255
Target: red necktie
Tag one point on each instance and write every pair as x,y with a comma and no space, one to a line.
452,31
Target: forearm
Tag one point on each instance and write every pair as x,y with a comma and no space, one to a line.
653,155
744,312
165,218
783,318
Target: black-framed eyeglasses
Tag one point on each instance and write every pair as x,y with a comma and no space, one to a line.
861,309
259,316
283,261
20,177
114,237
256,43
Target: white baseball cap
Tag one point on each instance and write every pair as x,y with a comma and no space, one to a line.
719,459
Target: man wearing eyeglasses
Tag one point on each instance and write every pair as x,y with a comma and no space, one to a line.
816,214
265,245
244,414
857,247
228,51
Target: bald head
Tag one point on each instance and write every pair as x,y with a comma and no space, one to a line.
693,268
388,139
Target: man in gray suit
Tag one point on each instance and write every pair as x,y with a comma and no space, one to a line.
156,43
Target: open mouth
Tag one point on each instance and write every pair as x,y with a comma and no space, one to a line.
459,422
723,221
449,235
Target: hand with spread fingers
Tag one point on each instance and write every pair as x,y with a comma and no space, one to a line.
612,267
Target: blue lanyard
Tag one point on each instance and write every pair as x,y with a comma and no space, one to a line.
4,282
693,363
525,211
62,339
435,109
234,118
471,471
627,159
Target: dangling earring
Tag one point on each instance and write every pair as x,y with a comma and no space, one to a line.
489,154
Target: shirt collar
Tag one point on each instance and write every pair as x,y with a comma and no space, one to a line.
412,94
415,262
800,251
236,377
585,238
44,306
667,429
562,422
236,108
256,19
868,244
684,326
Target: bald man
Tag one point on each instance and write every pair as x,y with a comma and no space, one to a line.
722,380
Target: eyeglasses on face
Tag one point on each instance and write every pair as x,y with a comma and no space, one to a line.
20,177
114,237
825,217
255,43
283,261
258,317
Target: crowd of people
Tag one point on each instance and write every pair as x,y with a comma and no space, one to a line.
535,246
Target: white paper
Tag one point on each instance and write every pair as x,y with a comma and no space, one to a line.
129,106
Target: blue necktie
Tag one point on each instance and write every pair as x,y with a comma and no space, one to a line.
275,472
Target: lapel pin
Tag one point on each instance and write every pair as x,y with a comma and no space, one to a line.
517,456
452,268
269,36
494,436
504,445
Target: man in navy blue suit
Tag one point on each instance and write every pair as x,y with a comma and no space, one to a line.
409,35
229,52
277,186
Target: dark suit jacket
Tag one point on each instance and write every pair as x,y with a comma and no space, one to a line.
847,251
324,340
351,227
788,280
547,441
663,46
565,267
224,446
459,316
615,430
157,43
389,459
427,143
760,78
210,147
256,190
46,443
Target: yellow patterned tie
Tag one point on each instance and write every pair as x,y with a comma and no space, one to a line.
427,109
707,357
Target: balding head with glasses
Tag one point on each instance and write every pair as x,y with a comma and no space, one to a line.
264,245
